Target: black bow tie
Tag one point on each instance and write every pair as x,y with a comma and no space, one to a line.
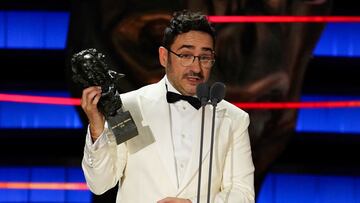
173,97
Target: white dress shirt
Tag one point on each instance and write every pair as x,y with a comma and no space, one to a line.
185,126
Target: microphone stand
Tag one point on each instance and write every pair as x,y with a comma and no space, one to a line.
217,93
201,151
202,91
211,151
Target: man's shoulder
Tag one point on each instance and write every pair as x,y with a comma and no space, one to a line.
239,116
141,91
233,110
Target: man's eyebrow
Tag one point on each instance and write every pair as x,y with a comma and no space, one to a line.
193,47
186,46
207,49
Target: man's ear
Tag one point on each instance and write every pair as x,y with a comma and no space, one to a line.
163,56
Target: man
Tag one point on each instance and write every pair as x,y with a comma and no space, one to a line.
166,170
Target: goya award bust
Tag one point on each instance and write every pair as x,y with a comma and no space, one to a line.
90,69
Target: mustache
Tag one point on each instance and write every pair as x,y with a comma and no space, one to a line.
193,74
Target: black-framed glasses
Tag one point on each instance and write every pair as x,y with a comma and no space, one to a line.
206,60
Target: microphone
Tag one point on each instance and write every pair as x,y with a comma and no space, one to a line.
217,93
202,92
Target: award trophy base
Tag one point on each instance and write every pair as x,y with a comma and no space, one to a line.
123,126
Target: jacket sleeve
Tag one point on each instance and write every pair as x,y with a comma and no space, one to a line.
103,162
238,176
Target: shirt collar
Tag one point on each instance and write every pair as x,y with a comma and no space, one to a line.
170,87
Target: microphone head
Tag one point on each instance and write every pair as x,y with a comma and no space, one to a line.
217,92
202,92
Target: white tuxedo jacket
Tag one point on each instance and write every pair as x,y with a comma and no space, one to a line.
145,165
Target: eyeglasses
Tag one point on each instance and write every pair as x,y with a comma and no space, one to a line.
206,60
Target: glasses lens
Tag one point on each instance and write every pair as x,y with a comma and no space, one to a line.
187,61
207,63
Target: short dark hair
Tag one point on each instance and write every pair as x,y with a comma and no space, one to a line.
185,21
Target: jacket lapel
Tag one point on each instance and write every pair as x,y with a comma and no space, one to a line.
155,110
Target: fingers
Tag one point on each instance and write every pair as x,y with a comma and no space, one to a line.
162,201
89,101
165,200
96,98
90,97
174,200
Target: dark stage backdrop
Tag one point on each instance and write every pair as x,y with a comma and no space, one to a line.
256,61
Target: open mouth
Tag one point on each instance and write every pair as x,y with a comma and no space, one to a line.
194,79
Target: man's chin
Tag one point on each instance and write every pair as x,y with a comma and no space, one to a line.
191,91
190,87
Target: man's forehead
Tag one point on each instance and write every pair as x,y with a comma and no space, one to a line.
194,38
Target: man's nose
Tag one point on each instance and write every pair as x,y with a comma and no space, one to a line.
196,65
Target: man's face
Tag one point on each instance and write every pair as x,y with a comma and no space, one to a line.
186,78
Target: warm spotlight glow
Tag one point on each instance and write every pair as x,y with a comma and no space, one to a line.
39,99
298,105
244,105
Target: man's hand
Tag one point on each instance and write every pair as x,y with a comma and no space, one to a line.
174,200
90,98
